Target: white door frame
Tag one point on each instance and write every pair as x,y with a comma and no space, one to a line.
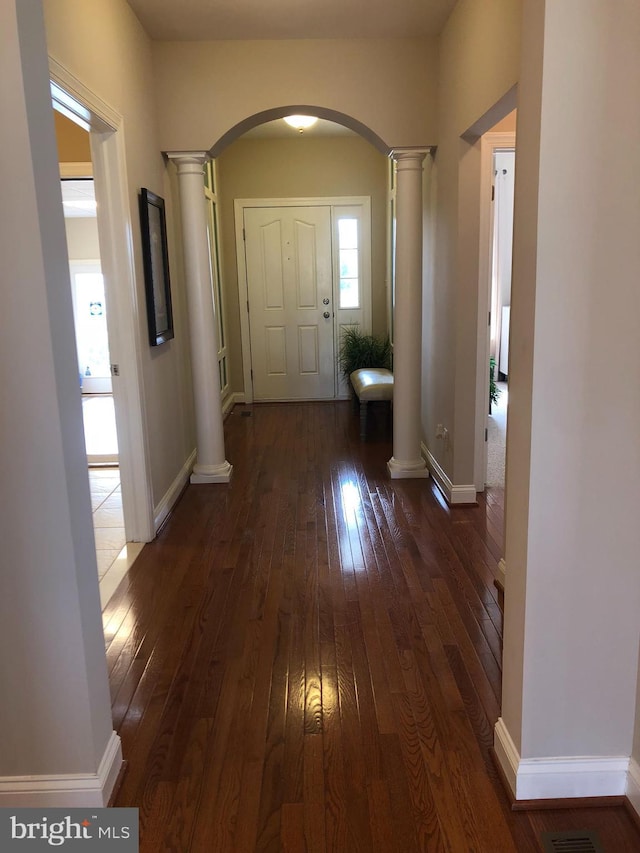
116,256
243,289
489,143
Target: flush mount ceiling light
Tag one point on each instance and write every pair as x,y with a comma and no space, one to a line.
301,123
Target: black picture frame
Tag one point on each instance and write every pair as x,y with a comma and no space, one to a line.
156,267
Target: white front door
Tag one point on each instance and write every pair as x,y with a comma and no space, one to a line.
290,293
90,318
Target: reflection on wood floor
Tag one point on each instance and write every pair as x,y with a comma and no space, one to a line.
309,658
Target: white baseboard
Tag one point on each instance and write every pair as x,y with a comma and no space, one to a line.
559,778
174,491
453,494
229,402
633,786
65,791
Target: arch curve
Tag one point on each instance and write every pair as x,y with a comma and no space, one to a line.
297,109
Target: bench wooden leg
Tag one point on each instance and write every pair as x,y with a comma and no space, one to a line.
363,419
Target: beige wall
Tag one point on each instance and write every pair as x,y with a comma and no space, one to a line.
55,714
473,77
507,124
102,44
573,586
299,168
635,753
73,141
205,88
82,238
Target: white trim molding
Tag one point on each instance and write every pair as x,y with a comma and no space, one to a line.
559,778
108,155
502,572
237,397
162,510
96,106
66,790
453,494
633,786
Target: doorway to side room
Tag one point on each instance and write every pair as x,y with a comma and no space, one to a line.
113,554
498,179
500,300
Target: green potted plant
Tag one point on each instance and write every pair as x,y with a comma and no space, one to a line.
494,391
358,349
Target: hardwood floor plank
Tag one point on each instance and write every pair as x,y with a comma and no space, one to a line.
424,811
313,809
309,658
292,828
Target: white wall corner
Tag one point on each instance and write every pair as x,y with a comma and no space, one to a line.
559,778
162,510
453,494
633,786
502,572
506,754
66,791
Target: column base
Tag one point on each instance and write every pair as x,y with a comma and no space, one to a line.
203,474
409,470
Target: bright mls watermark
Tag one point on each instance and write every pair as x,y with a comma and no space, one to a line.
69,829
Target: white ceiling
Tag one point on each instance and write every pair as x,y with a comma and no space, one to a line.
200,20
78,199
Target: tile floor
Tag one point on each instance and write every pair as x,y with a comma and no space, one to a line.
115,555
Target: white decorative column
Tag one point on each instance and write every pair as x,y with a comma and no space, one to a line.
407,459
211,465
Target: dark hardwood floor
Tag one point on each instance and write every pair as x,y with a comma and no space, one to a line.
309,658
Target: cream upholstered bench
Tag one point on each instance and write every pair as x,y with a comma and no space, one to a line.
369,384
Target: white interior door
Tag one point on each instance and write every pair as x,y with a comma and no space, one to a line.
291,315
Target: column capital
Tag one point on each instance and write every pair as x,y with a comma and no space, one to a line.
188,161
408,158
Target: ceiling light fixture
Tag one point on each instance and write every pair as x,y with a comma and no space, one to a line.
300,123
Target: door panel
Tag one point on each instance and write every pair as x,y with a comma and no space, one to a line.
271,265
276,350
289,274
308,349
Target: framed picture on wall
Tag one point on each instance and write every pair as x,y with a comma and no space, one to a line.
156,267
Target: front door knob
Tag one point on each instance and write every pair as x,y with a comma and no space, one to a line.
326,315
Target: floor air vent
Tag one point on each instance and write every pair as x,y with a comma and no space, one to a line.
575,841
245,414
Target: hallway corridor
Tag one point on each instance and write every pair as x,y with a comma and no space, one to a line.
309,659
